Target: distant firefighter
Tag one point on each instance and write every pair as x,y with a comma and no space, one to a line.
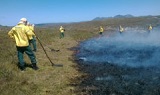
61,29
101,30
149,28
121,29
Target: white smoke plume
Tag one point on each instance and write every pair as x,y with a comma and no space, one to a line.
132,48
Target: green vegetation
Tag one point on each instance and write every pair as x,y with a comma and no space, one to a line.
50,80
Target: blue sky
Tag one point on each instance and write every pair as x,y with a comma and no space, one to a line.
53,11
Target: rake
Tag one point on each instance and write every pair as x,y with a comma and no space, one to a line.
53,64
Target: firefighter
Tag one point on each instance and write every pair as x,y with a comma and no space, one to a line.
61,29
149,28
32,38
19,34
101,30
121,29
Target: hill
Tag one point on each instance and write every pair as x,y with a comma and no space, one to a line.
117,16
50,24
124,16
126,21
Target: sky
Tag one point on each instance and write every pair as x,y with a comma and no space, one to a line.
57,11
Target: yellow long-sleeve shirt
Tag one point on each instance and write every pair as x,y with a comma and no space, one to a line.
61,29
121,29
150,27
101,29
20,34
32,30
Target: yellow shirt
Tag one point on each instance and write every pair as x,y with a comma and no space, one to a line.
20,34
30,37
61,29
150,27
101,29
121,29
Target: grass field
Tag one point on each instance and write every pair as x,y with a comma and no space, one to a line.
50,80
47,80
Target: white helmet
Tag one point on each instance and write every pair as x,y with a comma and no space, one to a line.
23,19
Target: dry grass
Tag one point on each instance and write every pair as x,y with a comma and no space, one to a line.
47,80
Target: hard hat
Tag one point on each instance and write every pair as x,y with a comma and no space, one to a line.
23,19
20,22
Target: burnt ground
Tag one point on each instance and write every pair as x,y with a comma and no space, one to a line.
109,79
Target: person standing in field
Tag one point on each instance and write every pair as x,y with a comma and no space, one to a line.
32,38
149,28
101,30
61,29
121,29
20,34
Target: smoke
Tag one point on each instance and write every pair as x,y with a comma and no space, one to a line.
132,48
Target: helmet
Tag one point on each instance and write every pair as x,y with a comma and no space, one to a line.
23,19
20,22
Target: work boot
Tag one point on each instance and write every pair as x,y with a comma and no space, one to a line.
34,50
34,66
22,68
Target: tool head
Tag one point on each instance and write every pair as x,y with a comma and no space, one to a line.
57,65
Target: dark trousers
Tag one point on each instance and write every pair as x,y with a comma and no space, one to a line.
100,33
62,35
32,42
29,52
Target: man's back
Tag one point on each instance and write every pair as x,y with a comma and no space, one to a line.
19,33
